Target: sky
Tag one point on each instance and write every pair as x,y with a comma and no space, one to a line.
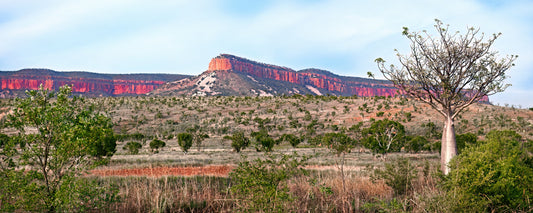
181,36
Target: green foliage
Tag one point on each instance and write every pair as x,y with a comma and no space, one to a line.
185,140
399,175
133,147
292,139
238,141
338,142
156,144
263,141
69,137
384,136
465,140
4,139
261,185
496,175
416,143
197,136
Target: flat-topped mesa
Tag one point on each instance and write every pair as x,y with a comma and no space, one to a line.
314,77
230,62
82,82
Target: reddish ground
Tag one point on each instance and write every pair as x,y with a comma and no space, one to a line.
220,170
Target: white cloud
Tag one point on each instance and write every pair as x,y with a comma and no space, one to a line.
345,37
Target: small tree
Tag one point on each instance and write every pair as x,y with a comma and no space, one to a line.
238,141
384,136
197,136
263,141
156,144
133,147
59,137
340,144
185,141
292,139
449,73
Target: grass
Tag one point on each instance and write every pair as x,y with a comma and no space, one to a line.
321,191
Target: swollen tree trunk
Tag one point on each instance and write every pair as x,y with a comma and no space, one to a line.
448,146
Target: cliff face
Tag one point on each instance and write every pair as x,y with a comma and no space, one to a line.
317,78
83,82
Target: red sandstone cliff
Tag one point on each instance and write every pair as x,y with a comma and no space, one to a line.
84,82
340,85
314,77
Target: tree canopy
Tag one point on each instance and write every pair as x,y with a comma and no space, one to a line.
59,136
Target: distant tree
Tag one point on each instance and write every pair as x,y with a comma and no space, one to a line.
238,141
415,143
292,139
263,141
156,144
449,73
384,136
133,147
185,141
198,136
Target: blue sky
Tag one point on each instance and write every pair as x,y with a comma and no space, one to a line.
181,36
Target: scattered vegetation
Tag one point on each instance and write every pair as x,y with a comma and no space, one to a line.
352,180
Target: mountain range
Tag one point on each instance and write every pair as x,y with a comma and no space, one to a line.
226,75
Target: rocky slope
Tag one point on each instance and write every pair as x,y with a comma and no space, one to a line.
13,83
232,75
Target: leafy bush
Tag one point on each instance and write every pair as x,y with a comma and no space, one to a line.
384,136
497,175
263,141
41,170
416,144
261,185
292,139
464,140
185,141
133,147
238,141
399,175
156,144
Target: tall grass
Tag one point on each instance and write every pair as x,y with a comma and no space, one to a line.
320,191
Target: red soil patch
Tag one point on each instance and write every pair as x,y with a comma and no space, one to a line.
220,171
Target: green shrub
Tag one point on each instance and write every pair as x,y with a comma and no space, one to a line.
261,185
238,141
185,141
416,144
263,141
464,140
384,136
292,139
156,144
399,175
496,175
133,147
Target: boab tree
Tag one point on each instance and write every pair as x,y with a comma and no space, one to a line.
449,72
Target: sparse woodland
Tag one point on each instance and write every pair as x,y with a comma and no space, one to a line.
305,153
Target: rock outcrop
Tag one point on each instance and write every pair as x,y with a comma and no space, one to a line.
340,85
92,84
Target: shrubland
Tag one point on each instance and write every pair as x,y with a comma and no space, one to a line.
379,155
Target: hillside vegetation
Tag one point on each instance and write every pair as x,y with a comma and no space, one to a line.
327,146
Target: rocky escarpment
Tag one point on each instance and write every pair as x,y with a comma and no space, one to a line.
320,79
91,84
